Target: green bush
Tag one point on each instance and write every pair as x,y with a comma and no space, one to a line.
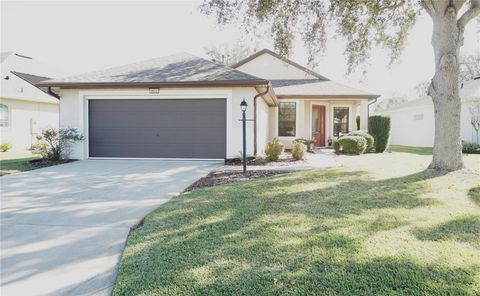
298,150
357,120
273,149
367,136
56,144
5,147
308,143
353,144
471,148
379,127
336,146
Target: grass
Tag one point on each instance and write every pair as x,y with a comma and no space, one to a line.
363,229
16,162
409,149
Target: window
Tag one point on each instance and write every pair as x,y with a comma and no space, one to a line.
4,118
340,120
287,119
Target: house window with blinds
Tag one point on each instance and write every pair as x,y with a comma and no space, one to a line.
340,120
287,113
4,116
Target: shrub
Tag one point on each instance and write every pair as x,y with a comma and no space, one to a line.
367,136
353,144
357,120
273,149
471,148
56,144
336,146
5,147
298,150
308,143
379,127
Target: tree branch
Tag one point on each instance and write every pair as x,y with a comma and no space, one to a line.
428,6
472,12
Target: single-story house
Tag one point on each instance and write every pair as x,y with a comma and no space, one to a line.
183,106
24,108
413,123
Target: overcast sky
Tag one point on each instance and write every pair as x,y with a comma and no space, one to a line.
76,37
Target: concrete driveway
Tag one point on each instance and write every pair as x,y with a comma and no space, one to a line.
63,228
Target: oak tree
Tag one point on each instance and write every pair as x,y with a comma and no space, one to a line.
365,24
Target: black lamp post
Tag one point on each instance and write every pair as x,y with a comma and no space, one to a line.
243,106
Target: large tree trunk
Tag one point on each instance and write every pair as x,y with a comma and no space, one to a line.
446,41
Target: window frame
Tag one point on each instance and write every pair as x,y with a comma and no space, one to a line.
347,123
279,121
8,120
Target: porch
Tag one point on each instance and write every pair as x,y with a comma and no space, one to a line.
319,119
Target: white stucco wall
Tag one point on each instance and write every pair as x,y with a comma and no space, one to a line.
263,120
73,111
26,120
408,131
267,66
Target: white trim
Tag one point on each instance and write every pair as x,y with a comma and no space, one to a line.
85,96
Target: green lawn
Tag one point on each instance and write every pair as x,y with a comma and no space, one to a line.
377,226
408,149
15,163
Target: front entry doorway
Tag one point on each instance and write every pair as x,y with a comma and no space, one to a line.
318,125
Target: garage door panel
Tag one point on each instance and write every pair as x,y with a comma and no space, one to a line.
183,128
155,119
155,135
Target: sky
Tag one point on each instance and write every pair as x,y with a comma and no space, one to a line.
76,37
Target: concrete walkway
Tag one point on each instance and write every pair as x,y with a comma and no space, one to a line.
63,228
321,158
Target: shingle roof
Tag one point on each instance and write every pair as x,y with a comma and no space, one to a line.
317,88
176,69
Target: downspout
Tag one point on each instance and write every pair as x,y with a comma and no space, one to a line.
255,118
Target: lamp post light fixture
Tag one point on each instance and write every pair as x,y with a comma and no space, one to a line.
243,106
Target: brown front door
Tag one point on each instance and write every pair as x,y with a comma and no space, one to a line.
318,125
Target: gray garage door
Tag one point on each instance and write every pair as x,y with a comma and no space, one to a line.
181,128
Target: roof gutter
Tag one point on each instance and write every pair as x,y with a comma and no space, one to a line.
200,83
255,118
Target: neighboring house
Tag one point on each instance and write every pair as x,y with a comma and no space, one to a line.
413,123
182,106
24,108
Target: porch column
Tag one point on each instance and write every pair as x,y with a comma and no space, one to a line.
364,115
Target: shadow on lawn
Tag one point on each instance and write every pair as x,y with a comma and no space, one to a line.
246,239
474,194
463,229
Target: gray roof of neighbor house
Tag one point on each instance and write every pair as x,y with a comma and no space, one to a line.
174,70
317,88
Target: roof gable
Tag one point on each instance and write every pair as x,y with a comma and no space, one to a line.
278,67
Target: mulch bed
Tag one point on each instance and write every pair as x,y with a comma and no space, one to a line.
42,163
284,160
222,177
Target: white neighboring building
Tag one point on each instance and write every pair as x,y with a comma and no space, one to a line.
24,108
413,123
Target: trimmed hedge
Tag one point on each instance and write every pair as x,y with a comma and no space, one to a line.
379,127
353,144
470,148
336,146
367,136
